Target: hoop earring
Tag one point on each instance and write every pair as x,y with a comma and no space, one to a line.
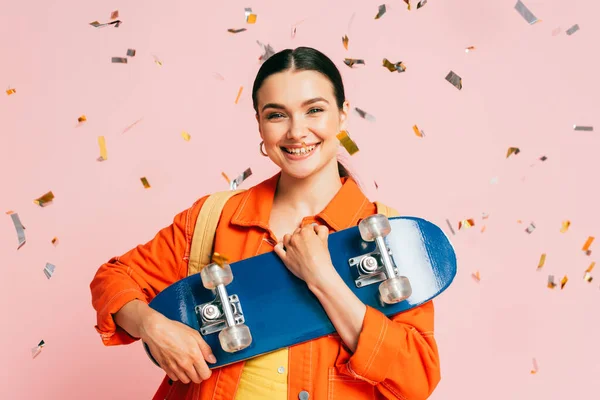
260,147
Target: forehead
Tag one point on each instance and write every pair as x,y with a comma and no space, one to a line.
290,87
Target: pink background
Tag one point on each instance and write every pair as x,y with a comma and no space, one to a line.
523,86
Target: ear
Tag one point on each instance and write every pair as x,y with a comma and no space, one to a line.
344,112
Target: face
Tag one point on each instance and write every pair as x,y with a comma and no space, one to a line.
298,120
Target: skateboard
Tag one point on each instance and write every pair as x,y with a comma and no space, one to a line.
256,306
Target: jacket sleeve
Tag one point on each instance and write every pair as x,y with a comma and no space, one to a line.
141,273
398,355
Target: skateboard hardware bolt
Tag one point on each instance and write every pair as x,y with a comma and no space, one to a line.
368,264
211,312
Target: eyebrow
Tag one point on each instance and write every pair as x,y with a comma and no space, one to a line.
307,102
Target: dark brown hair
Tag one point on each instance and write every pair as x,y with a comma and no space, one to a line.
302,59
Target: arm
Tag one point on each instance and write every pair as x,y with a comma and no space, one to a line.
398,356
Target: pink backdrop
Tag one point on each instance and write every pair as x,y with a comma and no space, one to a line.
524,86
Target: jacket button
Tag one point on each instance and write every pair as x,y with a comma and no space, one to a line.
303,395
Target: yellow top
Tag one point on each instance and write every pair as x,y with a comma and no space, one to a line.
264,377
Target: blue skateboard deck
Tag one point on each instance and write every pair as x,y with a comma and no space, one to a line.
280,310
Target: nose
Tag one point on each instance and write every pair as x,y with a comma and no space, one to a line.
298,129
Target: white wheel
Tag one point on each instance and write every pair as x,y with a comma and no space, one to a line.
235,338
395,290
213,275
374,226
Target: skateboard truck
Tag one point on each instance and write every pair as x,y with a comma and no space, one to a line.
223,314
378,266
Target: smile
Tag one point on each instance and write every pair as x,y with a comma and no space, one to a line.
296,153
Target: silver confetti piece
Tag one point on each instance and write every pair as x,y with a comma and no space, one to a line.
20,229
351,61
572,29
49,270
455,80
530,228
119,60
241,178
450,226
583,128
382,10
525,13
268,51
421,4
364,114
130,52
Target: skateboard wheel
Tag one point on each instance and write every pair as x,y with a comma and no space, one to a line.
213,275
374,226
235,338
395,290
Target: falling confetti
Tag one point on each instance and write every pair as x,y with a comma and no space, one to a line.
55,241
476,276
347,142
345,41
114,14
145,182
250,17
236,30
588,272
483,229
556,31
37,349
587,244
466,223
530,228
44,200
583,128
421,3
97,24
399,66
450,226
565,226
364,114
543,158
19,228
563,282
132,125
82,119
512,150
268,51
454,79
542,261
11,91
233,185
157,61
535,367
468,49
119,60
103,153
352,61
418,132
186,136
239,94
130,52
572,29
381,11
294,27
219,259
551,284
376,185
525,13
49,270
408,4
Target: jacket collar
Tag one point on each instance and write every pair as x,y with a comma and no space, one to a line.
343,211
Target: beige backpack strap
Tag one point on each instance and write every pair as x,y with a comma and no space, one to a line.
205,228
385,210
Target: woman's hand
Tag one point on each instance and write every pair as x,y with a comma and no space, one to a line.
305,253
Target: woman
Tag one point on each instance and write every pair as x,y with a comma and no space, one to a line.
300,107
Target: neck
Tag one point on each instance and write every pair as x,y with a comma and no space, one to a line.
310,195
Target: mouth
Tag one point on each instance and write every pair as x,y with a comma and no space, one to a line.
300,151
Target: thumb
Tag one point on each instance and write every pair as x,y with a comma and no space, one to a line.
279,250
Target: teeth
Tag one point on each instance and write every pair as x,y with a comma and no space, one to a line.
302,150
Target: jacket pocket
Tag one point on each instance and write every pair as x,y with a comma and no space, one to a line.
343,387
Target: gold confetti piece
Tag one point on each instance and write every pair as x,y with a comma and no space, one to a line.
352,61
525,13
132,125
572,29
551,284
103,152
226,177
130,52
563,282
157,61
11,91
512,150
114,14
347,142
381,11
236,30
19,228
418,132
239,94
82,119
591,267
234,184
364,114
483,229
250,17
466,223
399,66
186,136
530,228
535,367
454,79
219,259
145,182
469,49
476,276
588,243
268,51
55,241
119,60
542,261
450,226
583,128
44,200
408,4
565,226
345,41
588,277
49,270
97,24
519,221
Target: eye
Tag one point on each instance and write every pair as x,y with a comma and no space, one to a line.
274,115
314,109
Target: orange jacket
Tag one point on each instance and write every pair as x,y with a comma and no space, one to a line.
395,358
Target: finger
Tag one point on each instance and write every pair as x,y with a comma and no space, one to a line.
322,231
193,374
202,371
181,375
279,250
206,350
286,239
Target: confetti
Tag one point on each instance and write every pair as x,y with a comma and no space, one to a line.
556,31
44,200
55,241
132,125
572,29
590,268
450,226
19,228
588,277
535,367
421,3
485,216
250,17
551,284
233,185
542,261
583,128
218,76
186,136
364,114
525,13
466,223
469,49
294,28
543,158
418,132
119,60
103,153
239,94
530,228
352,61
157,61
226,177
145,182
11,91
82,119
483,229
563,282
348,143
236,30
268,51
381,11
565,226
399,66
587,244
97,24
219,259
37,349
345,41
114,14
494,180
408,4
49,270
376,185
476,276
130,52
454,79
512,150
